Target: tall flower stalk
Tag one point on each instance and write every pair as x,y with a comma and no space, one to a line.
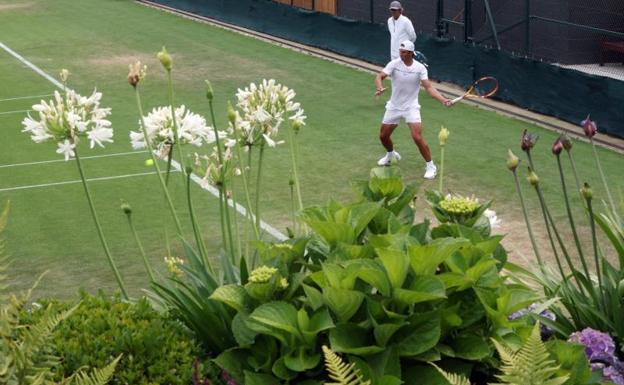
65,120
125,207
512,165
442,137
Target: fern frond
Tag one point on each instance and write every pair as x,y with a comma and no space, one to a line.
97,376
452,378
531,365
344,373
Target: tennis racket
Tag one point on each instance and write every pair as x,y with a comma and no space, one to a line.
482,88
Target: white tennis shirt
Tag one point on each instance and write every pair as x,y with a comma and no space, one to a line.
400,30
405,84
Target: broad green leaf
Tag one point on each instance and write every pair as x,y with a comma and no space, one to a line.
384,332
320,321
470,347
454,280
345,252
342,302
242,333
372,273
332,232
232,360
489,245
388,188
353,339
315,298
252,378
361,214
234,296
422,334
274,318
424,288
396,264
425,259
301,359
404,199
281,371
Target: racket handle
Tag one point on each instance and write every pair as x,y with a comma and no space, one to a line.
457,99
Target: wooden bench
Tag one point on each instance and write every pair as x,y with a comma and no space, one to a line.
613,46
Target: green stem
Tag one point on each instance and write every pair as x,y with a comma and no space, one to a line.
156,166
571,218
236,230
294,150
604,180
530,160
228,224
258,179
595,246
526,220
99,227
441,168
201,246
292,208
222,208
148,267
244,170
576,177
549,232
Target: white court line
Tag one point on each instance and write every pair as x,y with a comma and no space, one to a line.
25,97
63,160
31,66
265,226
15,112
76,181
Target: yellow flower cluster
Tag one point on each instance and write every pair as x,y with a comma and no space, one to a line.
173,265
262,274
459,205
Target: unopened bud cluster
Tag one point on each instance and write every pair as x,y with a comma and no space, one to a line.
459,205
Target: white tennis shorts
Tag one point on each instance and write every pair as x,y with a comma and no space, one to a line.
411,115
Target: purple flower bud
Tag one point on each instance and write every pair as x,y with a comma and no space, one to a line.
567,143
557,146
589,127
528,141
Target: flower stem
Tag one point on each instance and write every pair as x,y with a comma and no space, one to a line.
595,245
604,180
148,267
526,220
258,179
99,227
441,168
244,170
201,246
222,208
294,150
156,166
571,218
576,177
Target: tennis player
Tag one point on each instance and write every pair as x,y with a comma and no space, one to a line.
407,76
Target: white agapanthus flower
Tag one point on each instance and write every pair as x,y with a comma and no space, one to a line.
68,117
192,129
263,108
493,218
214,172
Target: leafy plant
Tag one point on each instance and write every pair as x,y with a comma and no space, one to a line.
26,354
156,349
344,373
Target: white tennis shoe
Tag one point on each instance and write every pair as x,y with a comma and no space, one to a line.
431,171
388,158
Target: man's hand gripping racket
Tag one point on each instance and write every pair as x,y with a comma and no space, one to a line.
482,88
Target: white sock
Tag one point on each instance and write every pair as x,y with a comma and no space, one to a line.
430,163
391,153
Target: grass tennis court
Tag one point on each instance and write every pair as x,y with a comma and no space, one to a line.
50,227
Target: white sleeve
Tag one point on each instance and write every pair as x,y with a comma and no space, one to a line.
409,29
424,74
389,68
389,29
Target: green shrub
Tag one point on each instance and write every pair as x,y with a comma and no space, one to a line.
156,350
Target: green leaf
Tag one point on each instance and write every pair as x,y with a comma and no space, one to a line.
332,232
425,259
388,188
342,302
315,298
281,371
424,288
470,347
232,361
242,333
320,321
302,359
275,319
396,264
353,339
252,378
372,273
422,334
360,216
384,332
234,296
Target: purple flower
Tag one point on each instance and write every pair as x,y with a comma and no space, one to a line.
598,346
545,330
228,378
557,146
528,140
611,373
589,127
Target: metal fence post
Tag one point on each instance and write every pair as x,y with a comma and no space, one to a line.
467,20
372,11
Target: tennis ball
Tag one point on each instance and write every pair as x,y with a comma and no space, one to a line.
149,162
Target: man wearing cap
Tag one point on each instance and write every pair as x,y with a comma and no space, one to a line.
400,28
407,76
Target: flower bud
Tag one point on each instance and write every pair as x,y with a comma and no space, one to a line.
165,59
296,126
209,91
533,178
527,141
567,143
136,73
291,182
443,135
512,161
557,146
589,127
587,192
188,170
231,113
64,75
125,207
621,288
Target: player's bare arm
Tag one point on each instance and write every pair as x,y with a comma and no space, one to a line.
431,90
379,88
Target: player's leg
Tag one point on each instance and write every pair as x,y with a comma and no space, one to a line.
414,123
388,124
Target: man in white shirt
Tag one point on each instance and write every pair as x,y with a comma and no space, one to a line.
400,28
407,76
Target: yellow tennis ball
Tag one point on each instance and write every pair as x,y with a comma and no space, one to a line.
149,162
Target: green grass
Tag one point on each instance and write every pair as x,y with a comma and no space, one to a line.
50,228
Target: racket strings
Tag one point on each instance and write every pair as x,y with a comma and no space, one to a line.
485,87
